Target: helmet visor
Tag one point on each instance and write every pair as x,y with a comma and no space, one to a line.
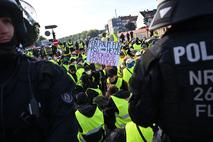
29,12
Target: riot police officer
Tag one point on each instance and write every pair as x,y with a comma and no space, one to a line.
36,104
172,82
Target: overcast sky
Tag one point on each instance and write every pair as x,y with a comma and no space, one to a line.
75,16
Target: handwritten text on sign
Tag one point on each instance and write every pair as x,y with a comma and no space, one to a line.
103,52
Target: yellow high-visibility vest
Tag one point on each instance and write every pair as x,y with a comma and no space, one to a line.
133,135
137,47
127,73
89,125
71,77
122,118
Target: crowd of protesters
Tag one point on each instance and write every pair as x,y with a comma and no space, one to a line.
101,91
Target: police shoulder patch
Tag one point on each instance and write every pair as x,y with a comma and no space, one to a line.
67,97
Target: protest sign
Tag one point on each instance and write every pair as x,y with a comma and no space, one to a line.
103,52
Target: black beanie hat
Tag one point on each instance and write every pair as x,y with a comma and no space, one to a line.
111,72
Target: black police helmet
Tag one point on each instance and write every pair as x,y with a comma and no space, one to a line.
26,27
170,12
30,22
14,9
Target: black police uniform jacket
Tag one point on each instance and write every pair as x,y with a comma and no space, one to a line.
172,84
36,104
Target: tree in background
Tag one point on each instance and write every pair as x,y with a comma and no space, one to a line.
83,35
41,38
130,26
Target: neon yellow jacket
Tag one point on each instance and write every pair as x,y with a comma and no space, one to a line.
122,118
127,73
66,67
79,73
89,125
137,47
97,90
118,84
133,135
115,37
71,77
53,61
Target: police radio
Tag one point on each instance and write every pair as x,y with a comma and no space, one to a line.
34,105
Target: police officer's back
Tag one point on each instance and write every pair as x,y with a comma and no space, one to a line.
172,83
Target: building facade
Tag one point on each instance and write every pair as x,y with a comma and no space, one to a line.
117,25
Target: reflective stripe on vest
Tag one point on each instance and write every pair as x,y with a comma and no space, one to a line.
132,134
123,116
92,124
